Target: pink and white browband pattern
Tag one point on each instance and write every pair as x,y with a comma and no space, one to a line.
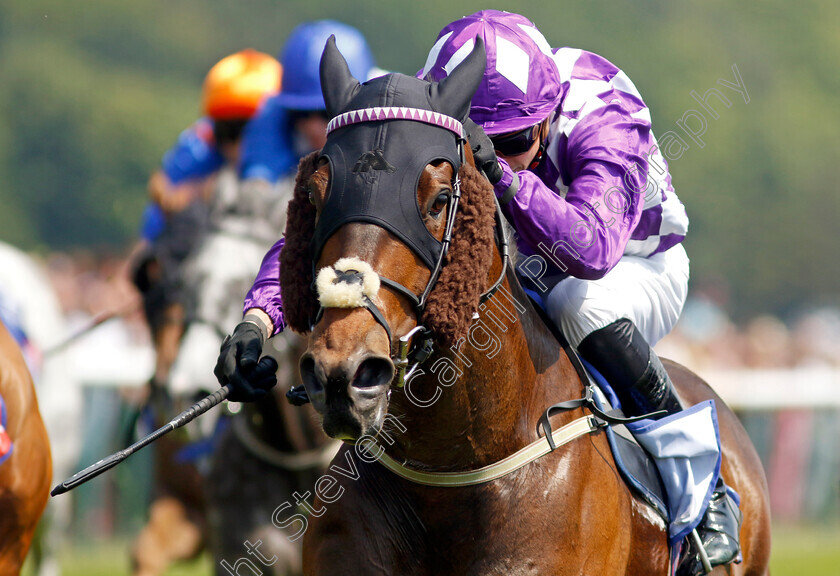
396,113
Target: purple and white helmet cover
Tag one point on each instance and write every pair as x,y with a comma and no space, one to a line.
521,85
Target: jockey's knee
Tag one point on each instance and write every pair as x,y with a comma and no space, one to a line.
579,307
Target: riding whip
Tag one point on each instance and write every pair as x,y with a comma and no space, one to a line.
180,420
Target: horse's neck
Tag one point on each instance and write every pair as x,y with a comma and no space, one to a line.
490,389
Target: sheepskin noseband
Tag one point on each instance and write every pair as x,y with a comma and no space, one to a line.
346,284
350,283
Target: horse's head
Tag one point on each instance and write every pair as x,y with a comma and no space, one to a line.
377,239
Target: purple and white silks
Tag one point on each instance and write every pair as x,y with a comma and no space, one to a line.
602,191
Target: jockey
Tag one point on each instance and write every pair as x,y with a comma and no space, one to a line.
293,123
580,177
174,222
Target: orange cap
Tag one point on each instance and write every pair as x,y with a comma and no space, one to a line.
237,84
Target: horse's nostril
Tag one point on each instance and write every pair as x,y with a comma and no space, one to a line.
373,372
307,373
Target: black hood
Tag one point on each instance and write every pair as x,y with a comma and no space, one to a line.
376,164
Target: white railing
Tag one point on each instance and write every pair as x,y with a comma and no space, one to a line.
775,389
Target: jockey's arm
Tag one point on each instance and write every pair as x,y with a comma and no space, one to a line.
175,198
240,363
263,299
588,228
184,172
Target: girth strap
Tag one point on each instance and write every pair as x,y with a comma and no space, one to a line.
602,418
512,463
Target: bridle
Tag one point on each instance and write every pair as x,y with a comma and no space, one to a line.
416,346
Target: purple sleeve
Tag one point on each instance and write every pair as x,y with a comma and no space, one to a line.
596,218
265,292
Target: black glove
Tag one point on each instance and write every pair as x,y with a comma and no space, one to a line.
240,366
483,152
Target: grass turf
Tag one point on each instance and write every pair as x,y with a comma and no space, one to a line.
797,551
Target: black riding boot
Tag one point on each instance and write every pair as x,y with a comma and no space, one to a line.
630,365
719,534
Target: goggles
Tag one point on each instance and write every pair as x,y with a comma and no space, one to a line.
515,143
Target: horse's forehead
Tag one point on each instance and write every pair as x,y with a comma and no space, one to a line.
376,168
434,173
392,90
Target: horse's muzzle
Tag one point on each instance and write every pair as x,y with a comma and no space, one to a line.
351,395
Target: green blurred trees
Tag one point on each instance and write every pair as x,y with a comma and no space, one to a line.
93,93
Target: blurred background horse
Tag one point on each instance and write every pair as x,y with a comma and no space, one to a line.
25,462
215,484
25,456
31,310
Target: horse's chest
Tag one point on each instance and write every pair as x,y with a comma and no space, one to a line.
508,528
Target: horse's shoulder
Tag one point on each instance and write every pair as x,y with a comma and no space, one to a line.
15,381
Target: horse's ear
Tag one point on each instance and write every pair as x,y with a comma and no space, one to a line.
337,83
452,95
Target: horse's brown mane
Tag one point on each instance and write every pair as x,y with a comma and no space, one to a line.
454,299
464,277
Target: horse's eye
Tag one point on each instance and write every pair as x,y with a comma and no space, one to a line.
311,198
439,204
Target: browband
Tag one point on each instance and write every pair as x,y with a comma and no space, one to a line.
396,113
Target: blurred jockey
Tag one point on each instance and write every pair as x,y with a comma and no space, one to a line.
177,218
288,127
293,123
197,175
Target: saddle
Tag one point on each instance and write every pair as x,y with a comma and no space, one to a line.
642,450
634,464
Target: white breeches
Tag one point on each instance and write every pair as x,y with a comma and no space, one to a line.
648,291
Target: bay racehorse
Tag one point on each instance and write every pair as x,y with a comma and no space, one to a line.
25,461
31,309
379,240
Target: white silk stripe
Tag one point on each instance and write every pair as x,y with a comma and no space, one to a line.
643,114
565,58
459,56
582,91
623,83
434,53
512,63
674,219
642,248
512,463
538,39
568,124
